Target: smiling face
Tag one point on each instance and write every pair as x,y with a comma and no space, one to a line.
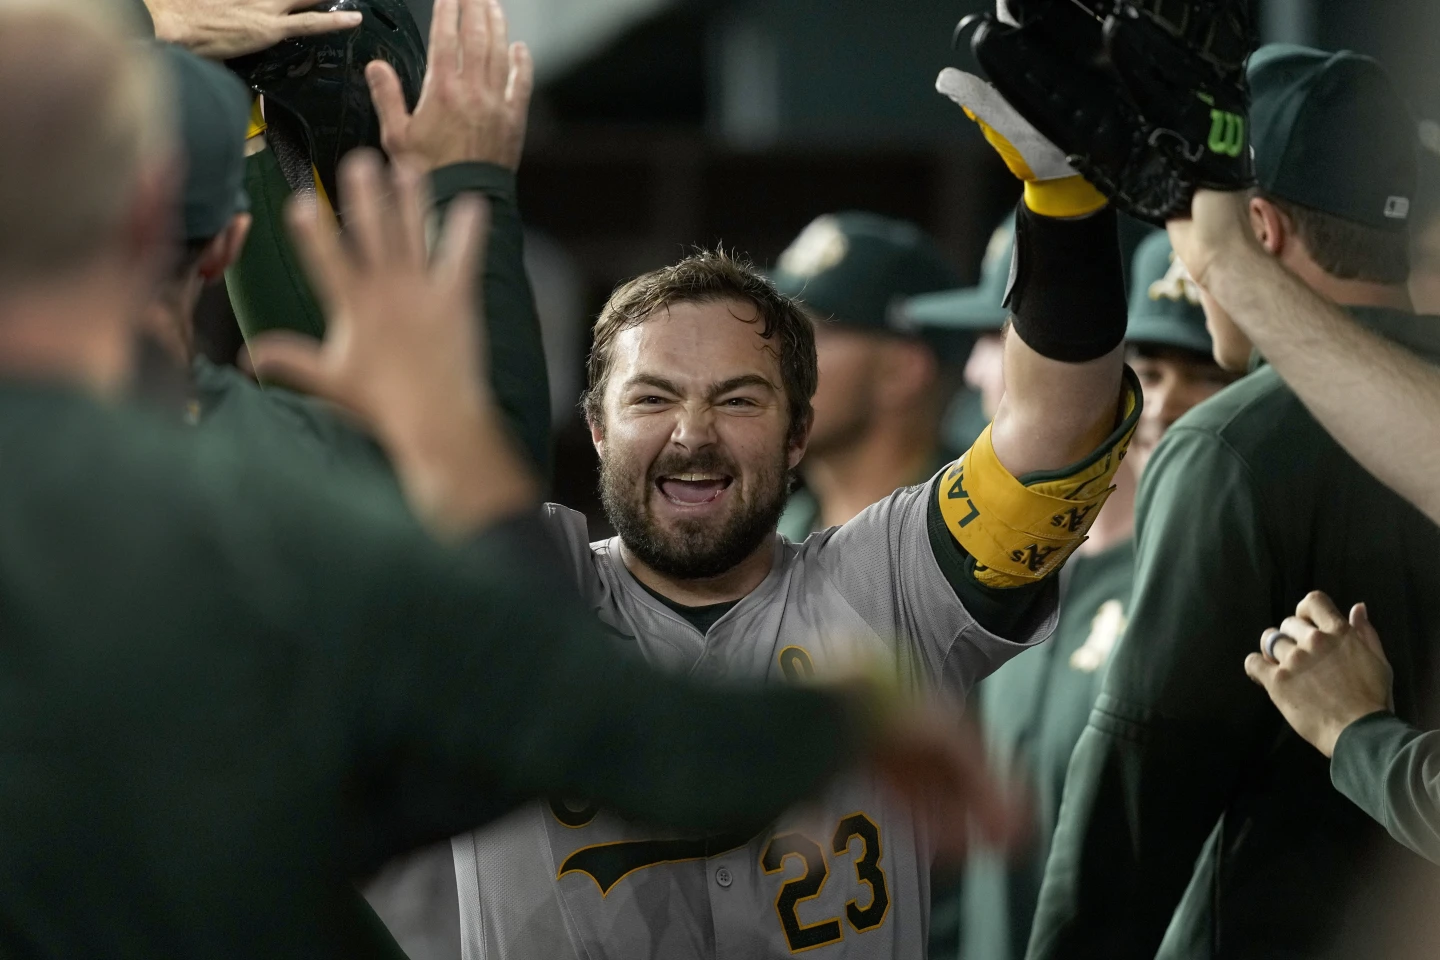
695,438
1174,381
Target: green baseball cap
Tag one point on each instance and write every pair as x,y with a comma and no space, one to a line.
1164,301
214,118
977,309
1331,133
855,269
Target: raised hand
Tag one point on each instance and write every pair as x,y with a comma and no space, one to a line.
402,350
1323,671
221,29
476,97
1219,221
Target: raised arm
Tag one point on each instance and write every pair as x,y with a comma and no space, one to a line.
468,133
1024,497
1378,400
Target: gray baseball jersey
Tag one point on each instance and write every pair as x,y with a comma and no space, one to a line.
847,876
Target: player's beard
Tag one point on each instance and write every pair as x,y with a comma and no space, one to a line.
693,549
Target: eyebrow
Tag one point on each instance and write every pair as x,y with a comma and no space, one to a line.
715,390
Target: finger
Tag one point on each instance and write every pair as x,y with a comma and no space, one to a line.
317,243
522,79
292,359
1274,643
310,24
1261,670
1320,610
410,209
364,202
1305,634
464,245
475,37
445,38
389,98
1360,620
498,58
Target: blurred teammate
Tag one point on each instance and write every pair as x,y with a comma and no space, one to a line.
882,390
700,387
1247,505
1034,708
979,311
215,706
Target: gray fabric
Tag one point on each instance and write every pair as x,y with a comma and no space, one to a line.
866,593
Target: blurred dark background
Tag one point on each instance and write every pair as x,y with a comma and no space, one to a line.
659,125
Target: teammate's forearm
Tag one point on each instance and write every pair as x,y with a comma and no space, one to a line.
1377,399
518,376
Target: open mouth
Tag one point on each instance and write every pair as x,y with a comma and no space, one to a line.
693,489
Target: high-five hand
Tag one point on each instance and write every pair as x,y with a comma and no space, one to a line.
402,348
220,29
476,97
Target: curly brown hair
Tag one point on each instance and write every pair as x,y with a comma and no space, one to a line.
711,276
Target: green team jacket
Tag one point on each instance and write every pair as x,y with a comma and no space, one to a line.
1032,711
1247,506
230,682
1392,771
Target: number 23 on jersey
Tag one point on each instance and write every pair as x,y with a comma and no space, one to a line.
860,917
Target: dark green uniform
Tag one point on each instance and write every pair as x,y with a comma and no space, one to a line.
1246,506
1033,710
1392,771
230,684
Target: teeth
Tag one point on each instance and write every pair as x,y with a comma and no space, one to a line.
698,477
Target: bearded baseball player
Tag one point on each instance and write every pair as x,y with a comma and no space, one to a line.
699,406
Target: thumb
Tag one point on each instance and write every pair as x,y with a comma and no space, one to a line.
1260,670
291,359
1360,620
389,98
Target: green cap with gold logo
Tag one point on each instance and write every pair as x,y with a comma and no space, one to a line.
1331,133
1165,306
855,269
978,309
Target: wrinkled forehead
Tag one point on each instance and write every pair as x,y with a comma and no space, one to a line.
695,345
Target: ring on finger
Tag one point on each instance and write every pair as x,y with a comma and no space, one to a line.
1271,639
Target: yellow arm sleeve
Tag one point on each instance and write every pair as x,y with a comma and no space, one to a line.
1022,532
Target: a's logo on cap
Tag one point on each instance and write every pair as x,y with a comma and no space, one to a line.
1177,284
820,247
1397,208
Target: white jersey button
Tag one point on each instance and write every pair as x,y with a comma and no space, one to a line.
722,877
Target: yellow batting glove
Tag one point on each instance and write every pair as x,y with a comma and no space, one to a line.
1052,187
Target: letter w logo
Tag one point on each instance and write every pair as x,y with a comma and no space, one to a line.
1227,133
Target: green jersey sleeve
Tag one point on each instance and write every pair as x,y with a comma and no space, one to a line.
1177,718
1392,772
